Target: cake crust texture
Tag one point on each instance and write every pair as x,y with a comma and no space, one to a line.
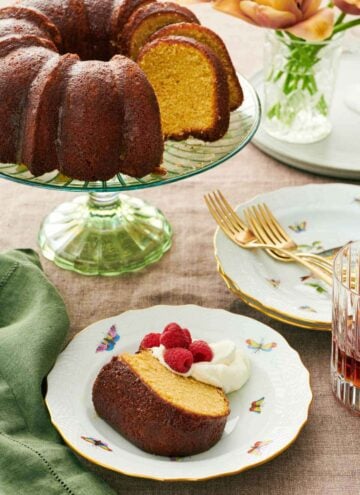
70,100
132,406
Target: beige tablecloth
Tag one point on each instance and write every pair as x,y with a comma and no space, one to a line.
325,458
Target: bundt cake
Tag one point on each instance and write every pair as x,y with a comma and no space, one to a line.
71,101
184,72
215,43
159,411
148,19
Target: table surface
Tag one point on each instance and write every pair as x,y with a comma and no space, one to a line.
325,457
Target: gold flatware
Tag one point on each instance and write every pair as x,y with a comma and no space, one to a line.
268,229
236,230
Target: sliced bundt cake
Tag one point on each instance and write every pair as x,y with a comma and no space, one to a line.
148,19
67,106
41,116
157,410
21,58
121,13
215,43
18,20
142,139
190,85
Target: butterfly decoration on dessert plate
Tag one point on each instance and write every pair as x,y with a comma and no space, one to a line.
97,443
70,401
109,341
256,405
298,227
260,346
258,447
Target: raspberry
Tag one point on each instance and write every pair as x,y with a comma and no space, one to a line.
150,340
179,359
201,351
188,335
171,326
174,337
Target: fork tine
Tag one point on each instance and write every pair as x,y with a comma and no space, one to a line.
276,223
223,215
269,225
228,208
218,217
254,223
260,233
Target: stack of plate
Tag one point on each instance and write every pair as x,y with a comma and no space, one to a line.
319,218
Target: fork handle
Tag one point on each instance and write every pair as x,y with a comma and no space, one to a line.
314,269
316,258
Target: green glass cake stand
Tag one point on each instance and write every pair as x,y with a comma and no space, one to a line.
108,233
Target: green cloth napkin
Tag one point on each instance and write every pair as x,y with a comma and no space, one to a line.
33,329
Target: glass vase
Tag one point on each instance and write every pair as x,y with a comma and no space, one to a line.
298,87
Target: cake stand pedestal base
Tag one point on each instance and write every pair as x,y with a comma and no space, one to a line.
105,234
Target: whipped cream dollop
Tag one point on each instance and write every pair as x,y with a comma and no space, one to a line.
229,368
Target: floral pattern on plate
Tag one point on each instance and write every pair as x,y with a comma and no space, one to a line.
256,405
97,443
258,447
330,217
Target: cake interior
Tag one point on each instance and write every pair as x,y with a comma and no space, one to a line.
182,392
149,27
210,39
181,75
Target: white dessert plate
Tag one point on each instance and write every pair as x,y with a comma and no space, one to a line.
318,218
338,154
267,414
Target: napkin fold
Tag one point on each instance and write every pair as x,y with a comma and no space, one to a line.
33,329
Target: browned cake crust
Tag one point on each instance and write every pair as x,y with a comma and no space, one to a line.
142,143
171,12
221,112
41,121
70,17
215,43
122,11
42,105
123,400
22,20
90,124
21,59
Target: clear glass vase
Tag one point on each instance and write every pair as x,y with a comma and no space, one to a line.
298,87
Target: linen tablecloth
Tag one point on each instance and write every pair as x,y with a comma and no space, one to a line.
325,458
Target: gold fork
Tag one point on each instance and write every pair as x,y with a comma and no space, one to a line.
267,229
240,234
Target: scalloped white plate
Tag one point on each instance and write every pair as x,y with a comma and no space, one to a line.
318,217
250,438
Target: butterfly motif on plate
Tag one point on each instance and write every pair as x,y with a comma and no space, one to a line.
298,227
109,341
260,346
97,443
257,448
256,405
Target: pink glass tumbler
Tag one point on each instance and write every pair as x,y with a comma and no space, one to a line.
345,356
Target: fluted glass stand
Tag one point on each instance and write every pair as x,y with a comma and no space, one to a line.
106,232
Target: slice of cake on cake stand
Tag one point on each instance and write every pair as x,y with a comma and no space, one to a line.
79,115
107,233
